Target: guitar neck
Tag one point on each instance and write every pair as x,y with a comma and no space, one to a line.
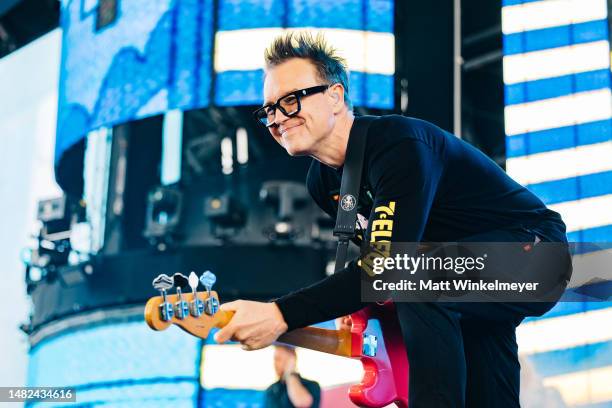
337,342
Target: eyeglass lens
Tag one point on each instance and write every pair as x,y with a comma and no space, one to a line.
289,105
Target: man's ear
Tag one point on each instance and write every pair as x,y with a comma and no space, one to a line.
338,95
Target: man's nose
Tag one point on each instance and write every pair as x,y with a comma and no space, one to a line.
279,117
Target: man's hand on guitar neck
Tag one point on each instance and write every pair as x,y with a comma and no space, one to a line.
254,324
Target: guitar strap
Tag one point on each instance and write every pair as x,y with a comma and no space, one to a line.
350,187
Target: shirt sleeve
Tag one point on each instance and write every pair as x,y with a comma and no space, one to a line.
270,397
314,389
404,177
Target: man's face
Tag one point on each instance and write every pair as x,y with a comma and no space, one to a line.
300,134
282,357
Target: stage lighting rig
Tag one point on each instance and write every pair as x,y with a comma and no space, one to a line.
286,197
41,265
55,218
52,253
164,208
226,213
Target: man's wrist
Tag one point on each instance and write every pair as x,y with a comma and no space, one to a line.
290,374
283,324
290,309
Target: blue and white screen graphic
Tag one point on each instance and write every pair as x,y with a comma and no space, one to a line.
158,55
559,109
360,30
559,144
155,56
120,365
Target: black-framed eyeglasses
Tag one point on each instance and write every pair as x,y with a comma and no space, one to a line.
289,104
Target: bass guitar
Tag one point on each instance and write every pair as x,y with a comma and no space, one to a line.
374,337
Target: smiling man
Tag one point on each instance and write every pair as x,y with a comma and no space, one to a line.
320,130
433,187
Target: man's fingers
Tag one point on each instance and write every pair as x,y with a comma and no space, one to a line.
252,344
254,324
224,334
228,331
230,306
344,323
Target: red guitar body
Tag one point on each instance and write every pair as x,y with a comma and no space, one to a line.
385,379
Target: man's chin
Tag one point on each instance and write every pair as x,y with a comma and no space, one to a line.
294,151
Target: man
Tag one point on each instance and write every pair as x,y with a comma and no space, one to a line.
291,390
440,189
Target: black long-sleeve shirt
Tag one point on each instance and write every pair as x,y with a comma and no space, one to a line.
420,184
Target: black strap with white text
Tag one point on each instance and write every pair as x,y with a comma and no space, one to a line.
350,187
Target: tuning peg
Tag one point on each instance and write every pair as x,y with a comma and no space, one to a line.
193,281
196,306
180,280
211,305
208,279
181,307
162,283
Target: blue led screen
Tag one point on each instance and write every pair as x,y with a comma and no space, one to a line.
357,18
122,364
158,55
155,56
559,138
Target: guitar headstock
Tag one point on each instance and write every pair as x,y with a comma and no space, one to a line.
196,312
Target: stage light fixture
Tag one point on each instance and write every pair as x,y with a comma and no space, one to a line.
164,207
225,210
286,197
